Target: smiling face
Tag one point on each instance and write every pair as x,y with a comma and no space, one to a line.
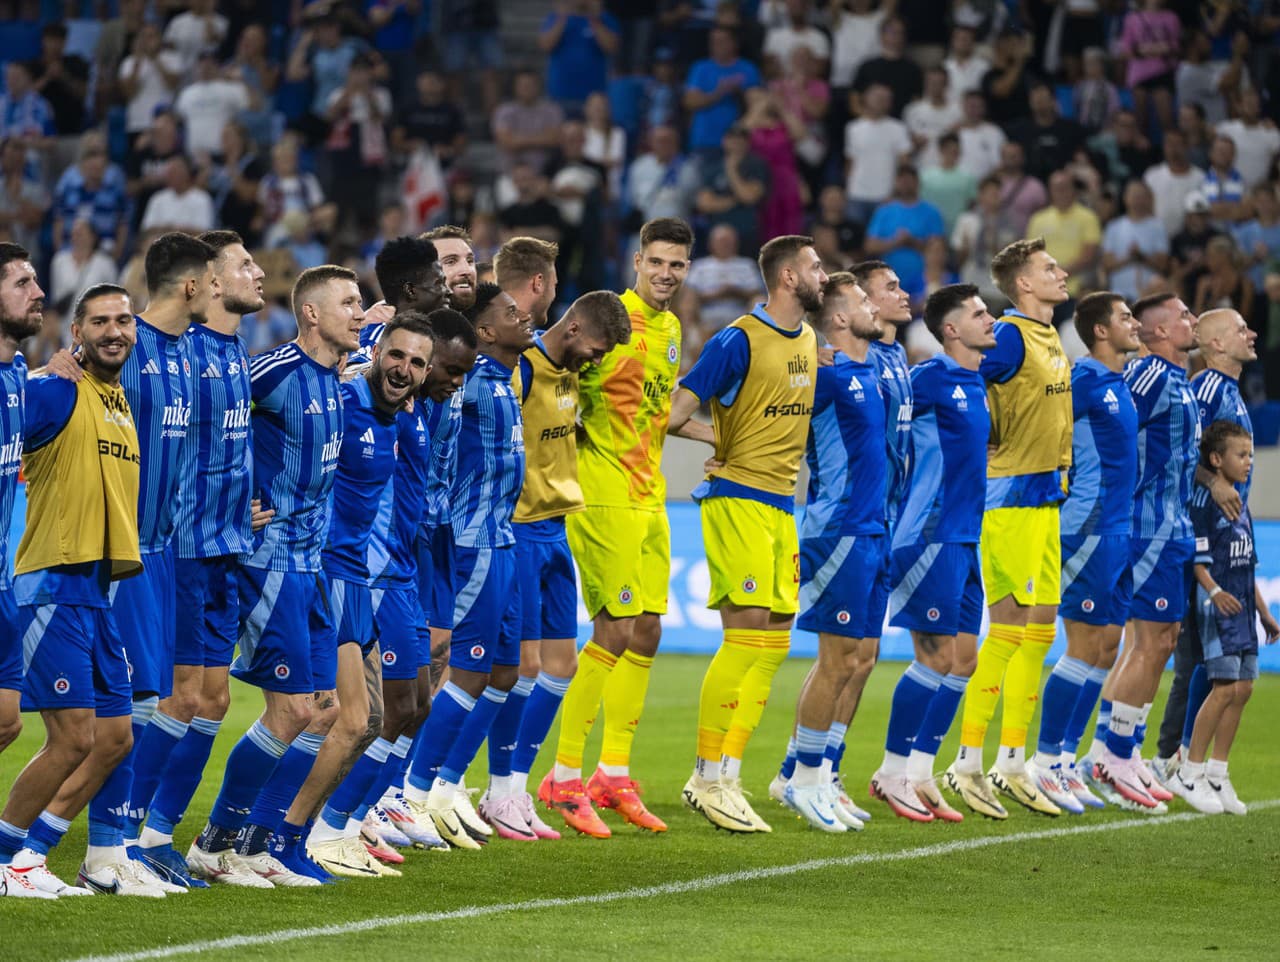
458,261
503,327
661,268
106,334
400,363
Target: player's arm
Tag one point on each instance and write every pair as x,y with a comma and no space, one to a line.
1004,360
1224,601
1223,492
1269,623
718,374
683,405
50,402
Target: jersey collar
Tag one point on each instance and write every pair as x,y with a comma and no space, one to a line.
760,314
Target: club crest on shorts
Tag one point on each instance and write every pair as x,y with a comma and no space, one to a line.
282,671
843,617
625,596
1162,604
749,585
1087,605
388,657
61,686
933,614
477,651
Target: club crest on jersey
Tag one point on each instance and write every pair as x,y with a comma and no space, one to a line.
61,686
843,617
388,657
625,596
933,614
749,585
1162,604
477,652
1087,605
673,353
1031,586
282,672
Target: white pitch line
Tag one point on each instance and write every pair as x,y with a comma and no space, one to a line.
647,891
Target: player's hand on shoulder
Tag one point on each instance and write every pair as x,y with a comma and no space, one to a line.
64,364
1226,497
259,517
826,356
349,372
379,313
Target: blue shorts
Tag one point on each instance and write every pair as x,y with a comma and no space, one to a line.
486,618
937,589
286,632
74,658
841,591
1097,580
437,571
1242,666
1161,579
548,588
351,610
400,625
208,611
10,643
144,609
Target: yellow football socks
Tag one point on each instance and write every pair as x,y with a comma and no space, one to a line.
581,702
983,690
722,687
754,695
1022,684
624,693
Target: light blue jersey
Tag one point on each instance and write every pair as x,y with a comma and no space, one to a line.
444,423
1218,399
1104,453
13,403
216,463
895,383
297,435
157,380
490,470
392,556
1168,448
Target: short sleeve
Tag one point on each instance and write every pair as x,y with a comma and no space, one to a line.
1005,359
720,368
50,401
1202,526
922,385
525,372
881,226
700,77
824,388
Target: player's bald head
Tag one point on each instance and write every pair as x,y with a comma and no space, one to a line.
1217,323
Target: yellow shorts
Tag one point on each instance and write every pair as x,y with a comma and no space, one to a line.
624,559
1022,555
753,554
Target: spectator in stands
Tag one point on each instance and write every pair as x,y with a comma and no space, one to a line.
713,91
947,185
393,28
901,227
1256,138
195,30
733,186
719,288
148,161
1021,192
298,237
1187,248
980,140
855,37
575,182
24,114
356,147
1094,96
526,128
324,56
1049,138
1223,184
433,120
1223,283
1007,83
1259,237
1198,133
531,213
181,205
662,182
606,142
773,134
965,64
578,38
797,30
636,20
937,270
96,188
838,237
23,200
1172,181
260,76
115,40
930,116
661,94
1135,247
1150,38
874,145
979,234
801,92
286,188
207,104
233,183
1124,147
1205,82
474,45
1071,234
79,266
892,68
149,77
62,80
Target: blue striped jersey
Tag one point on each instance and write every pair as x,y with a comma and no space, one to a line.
1168,448
216,463
392,559
846,433
1104,453
157,381
1227,549
297,434
444,422
950,425
368,338
1218,399
13,402
366,466
895,383
490,470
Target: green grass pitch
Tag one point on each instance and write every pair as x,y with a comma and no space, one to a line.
1034,888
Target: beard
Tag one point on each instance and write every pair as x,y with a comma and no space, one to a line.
242,305
22,327
461,300
810,298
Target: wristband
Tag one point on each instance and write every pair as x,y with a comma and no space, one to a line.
1217,590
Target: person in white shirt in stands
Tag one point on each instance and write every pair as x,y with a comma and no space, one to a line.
718,288
79,267
933,115
1135,247
207,105
874,145
1257,140
980,140
149,76
181,205
197,29
855,37
1172,181
964,64
779,42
